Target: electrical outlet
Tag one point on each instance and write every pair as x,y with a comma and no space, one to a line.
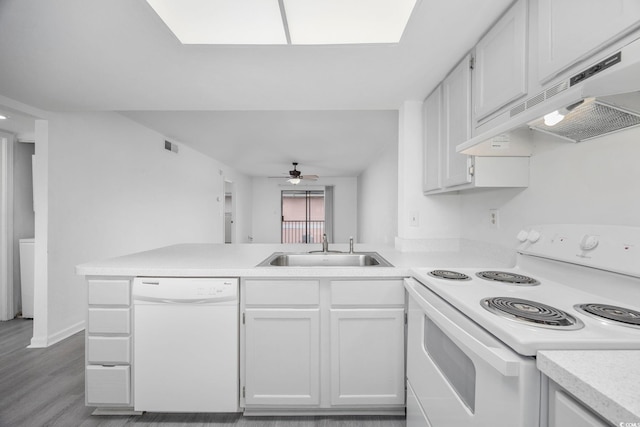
493,218
414,218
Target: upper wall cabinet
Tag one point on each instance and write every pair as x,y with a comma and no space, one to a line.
431,118
571,30
456,124
500,71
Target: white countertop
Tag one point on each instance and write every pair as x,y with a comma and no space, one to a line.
608,381
240,260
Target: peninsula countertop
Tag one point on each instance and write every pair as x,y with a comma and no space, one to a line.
240,260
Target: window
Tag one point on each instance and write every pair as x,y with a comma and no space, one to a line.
303,216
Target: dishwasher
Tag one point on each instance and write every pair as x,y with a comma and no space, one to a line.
185,344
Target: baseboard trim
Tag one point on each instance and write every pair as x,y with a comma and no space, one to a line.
41,342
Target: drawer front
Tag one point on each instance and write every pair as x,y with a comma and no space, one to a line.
282,292
108,385
109,321
367,292
109,292
109,349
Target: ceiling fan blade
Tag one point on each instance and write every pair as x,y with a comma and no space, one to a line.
310,177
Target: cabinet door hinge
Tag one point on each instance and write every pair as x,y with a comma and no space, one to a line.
243,319
244,391
472,62
406,318
471,170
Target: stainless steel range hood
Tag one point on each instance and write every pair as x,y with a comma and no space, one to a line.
601,99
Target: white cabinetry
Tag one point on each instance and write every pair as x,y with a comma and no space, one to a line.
282,357
367,343
456,125
322,345
432,120
447,120
500,69
282,343
572,30
564,410
108,343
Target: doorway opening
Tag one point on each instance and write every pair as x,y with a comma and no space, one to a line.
303,216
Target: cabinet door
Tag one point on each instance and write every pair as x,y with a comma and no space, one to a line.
282,357
570,30
456,101
500,72
367,356
565,411
432,142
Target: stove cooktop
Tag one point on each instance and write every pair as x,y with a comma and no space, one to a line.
555,322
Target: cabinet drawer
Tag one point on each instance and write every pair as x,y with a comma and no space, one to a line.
108,385
282,292
109,349
109,321
367,292
109,292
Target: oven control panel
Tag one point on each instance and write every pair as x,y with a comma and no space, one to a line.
614,248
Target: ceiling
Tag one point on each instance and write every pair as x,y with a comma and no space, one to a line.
333,107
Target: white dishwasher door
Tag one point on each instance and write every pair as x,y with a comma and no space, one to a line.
185,345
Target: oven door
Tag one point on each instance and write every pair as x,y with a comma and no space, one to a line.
460,374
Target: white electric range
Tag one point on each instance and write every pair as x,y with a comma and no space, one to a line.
474,332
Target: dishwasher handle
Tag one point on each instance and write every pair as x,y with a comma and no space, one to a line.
153,300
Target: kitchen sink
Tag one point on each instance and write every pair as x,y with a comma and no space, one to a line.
325,259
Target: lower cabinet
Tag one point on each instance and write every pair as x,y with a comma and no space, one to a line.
565,410
282,357
108,344
367,356
329,345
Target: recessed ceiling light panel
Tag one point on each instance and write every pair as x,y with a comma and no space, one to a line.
222,21
347,21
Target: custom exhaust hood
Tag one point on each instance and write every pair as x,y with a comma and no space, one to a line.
599,100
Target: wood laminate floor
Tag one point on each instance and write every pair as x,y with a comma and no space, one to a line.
45,387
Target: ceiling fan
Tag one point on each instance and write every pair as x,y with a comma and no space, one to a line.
295,176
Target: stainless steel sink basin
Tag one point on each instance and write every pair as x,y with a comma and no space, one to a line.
321,259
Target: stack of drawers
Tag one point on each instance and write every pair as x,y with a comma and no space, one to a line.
108,343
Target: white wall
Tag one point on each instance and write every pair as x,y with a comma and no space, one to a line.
378,200
267,207
438,216
594,181
113,189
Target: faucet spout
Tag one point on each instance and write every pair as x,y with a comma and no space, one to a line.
325,244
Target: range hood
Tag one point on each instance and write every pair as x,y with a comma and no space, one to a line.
599,100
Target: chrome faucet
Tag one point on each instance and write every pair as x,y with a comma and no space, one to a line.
325,244
351,244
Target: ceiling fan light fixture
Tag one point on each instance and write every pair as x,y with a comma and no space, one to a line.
294,181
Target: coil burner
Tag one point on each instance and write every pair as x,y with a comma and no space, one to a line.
509,278
449,275
531,313
611,313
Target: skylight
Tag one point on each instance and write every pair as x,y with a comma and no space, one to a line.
298,22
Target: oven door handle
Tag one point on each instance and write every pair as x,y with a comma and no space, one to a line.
503,360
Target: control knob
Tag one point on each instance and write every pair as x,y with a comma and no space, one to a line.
588,242
534,236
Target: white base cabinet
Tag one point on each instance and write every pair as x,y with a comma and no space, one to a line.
282,357
367,356
565,410
322,346
108,338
